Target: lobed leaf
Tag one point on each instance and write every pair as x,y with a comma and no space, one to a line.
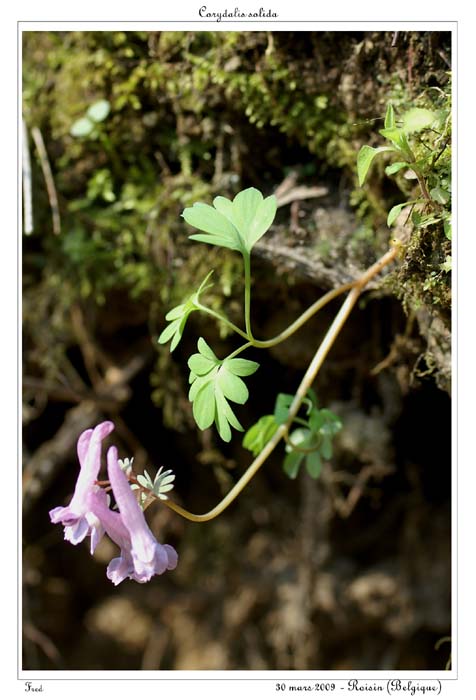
226,409
233,387
281,408
201,365
176,312
314,464
241,367
205,350
204,406
253,215
197,383
236,224
292,462
225,416
258,436
178,317
206,218
214,382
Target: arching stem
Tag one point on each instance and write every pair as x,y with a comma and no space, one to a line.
305,384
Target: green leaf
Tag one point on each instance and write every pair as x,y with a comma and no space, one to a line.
169,331
417,119
238,224
213,382
281,408
225,408
253,215
292,462
82,127
221,421
438,194
365,158
316,420
175,313
326,448
232,387
178,317
202,288
224,416
447,228
258,436
241,367
224,206
395,211
313,464
222,232
332,423
204,406
423,220
301,437
201,365
174,330
99,110
395,167
389,117
322,426
197,383
205,350
398,138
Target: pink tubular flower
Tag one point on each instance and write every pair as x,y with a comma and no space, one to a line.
141,555
77,518
121,567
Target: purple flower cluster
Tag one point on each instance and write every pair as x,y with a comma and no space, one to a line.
88,513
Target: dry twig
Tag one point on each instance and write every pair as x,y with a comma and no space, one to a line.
48,175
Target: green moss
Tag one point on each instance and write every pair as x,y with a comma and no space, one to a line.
195,114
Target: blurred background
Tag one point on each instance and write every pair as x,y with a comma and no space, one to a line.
122,131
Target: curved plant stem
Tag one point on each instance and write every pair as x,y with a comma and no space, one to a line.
238,351
223,319
306,382
290,330
304,318
247,262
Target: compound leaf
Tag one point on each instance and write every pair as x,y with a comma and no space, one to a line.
258,436
213,384
236,224
178,317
